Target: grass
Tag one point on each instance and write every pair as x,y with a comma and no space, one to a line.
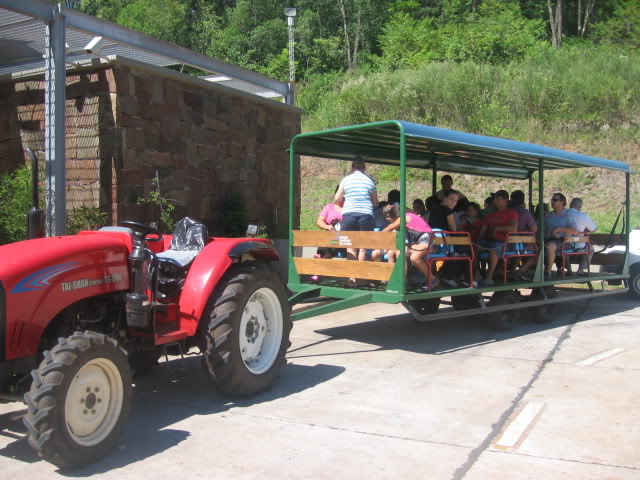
582,99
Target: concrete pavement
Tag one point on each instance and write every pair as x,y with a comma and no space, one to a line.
368,393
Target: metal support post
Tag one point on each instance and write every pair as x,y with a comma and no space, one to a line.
530,191
434,183
55,85
627,222
539,274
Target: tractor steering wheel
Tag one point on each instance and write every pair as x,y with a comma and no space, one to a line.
142,230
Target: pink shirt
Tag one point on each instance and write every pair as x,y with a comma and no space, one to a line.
330,214
417,223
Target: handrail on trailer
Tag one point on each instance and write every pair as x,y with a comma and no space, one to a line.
406,144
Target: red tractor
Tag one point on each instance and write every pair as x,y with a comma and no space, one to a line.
81,314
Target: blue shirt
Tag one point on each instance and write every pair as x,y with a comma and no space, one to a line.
358,188
561,220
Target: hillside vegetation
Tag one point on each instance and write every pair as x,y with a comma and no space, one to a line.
581,98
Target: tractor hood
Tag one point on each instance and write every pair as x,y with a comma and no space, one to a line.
44,276
32,264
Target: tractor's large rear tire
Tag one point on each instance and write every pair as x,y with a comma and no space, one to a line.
248,331
79,400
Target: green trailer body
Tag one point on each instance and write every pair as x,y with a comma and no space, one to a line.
410,145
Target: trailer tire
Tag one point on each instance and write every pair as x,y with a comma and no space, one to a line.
634,282
79,400
505,320
248,330
466,302
543,313
424,306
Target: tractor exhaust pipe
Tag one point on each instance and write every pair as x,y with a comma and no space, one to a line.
35,217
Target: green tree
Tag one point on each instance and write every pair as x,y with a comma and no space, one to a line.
163,19
624,25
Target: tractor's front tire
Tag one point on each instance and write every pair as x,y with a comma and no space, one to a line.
79,400
248,330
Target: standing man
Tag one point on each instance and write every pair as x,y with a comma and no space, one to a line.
494,230
358,190
583,224
447,185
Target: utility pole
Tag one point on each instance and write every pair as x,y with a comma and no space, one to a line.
291,14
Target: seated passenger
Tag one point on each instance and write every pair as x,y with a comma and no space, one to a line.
420,209
471,223
584,224
378,216
329,219
557,224
379,220
460,211
429,204
526,222
488,206
494,231
418,237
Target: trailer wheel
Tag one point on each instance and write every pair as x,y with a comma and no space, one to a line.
79,399
425,306
248,331
634,282
505,320
543,313
466,302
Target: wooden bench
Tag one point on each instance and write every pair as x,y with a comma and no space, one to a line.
342,268
443,245
518,245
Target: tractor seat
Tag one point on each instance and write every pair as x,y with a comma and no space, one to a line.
189,237
179,258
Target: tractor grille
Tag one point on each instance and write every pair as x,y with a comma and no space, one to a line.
3,324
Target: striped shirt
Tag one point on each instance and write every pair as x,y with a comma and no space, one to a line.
358,188
555,220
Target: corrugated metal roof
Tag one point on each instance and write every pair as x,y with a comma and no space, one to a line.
450,150
23,36
26,38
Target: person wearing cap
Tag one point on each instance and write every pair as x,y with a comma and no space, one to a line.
584,224
494,231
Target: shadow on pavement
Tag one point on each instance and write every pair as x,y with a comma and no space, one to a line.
164,398
456,334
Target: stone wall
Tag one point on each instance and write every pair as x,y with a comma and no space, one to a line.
128,123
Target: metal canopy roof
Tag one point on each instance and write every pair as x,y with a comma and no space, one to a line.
449,150
23,37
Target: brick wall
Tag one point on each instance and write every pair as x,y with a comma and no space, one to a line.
128,123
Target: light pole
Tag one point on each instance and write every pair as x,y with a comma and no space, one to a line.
291,13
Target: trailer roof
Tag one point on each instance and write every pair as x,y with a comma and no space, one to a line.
449,150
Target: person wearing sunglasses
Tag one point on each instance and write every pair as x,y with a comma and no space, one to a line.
557,223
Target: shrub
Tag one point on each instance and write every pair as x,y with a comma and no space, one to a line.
234,216
15,202
85,218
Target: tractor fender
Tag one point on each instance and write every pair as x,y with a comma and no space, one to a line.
44,276
208,268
